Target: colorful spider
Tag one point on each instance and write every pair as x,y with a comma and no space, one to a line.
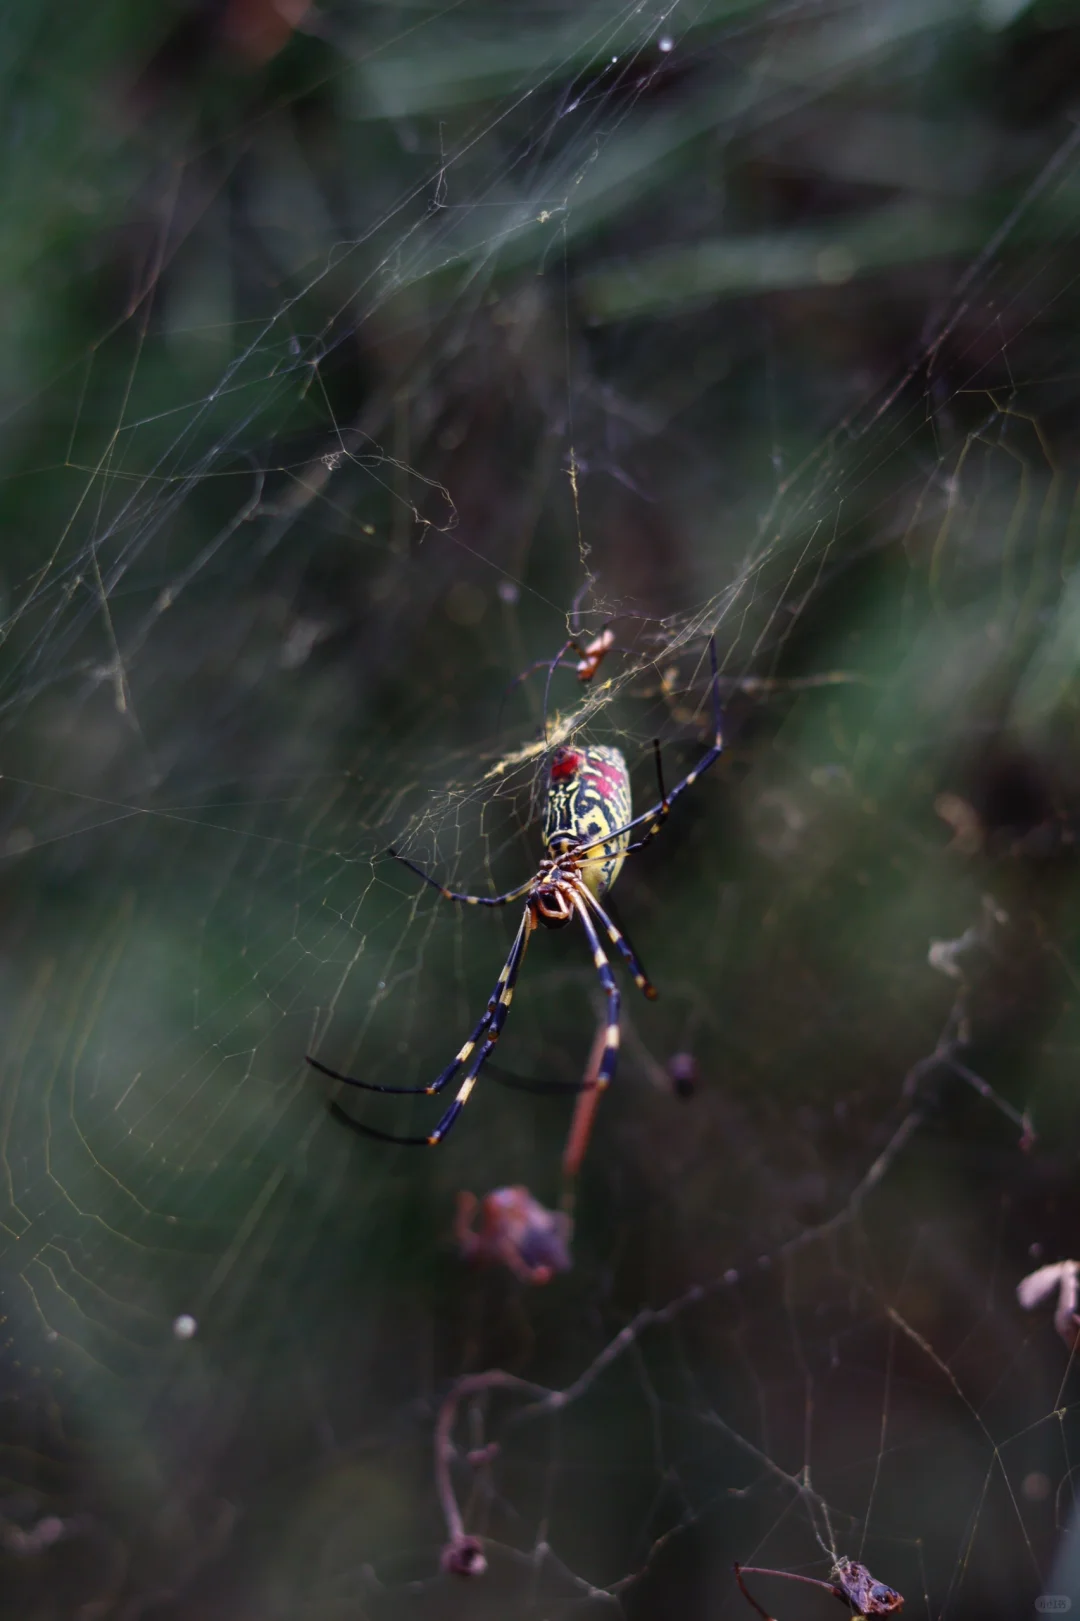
586,832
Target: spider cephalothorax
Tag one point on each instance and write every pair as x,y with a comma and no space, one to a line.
552,903
586,831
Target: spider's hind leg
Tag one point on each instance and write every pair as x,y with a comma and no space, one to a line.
503,996
605,1073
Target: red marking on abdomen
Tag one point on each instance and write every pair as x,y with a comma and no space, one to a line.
565,763
606,779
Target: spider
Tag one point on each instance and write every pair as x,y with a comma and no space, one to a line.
586,833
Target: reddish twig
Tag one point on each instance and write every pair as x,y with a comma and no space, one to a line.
584,1114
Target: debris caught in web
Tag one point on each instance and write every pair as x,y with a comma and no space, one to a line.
509,1227
1038,1286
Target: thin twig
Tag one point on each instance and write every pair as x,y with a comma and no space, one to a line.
747,1595
463,1554
588,1101
787,1576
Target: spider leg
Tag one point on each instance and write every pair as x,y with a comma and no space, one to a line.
452,1068
538,1088
455,895
432,1087
493,1021
541,664
663,807
358,1126
620,942
552,667
370,1086
656,817
605,1073
487,1046
545,664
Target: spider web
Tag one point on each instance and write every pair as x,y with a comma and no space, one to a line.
379,351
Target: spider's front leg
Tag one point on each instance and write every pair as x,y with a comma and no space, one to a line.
653,820
458,895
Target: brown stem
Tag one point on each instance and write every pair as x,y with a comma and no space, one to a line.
462,1554
584,1114
789,1576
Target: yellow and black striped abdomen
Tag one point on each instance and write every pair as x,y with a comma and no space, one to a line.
589,796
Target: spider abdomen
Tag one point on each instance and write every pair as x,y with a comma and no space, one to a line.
588,798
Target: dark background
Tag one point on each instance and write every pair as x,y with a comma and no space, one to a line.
341,350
